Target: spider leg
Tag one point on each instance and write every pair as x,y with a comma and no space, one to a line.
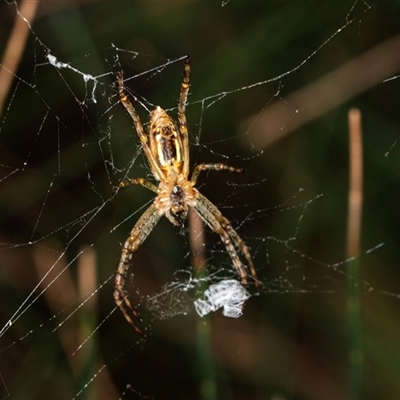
139,128
137,181
137,236
216,167
183,95
219,224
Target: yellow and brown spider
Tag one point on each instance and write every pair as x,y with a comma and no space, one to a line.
167,150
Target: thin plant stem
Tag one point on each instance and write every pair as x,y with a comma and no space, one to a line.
353,253
207,384
87,282
15,46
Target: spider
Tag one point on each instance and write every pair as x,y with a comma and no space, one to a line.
167,150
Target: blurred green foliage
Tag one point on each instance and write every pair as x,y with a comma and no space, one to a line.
291,342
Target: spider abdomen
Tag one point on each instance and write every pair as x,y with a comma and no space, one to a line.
165,141
168,148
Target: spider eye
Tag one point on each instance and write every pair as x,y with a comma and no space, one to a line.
167,131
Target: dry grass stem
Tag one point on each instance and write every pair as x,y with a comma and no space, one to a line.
15,46
355,184
309,103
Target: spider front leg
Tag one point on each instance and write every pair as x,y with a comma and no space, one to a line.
183,130
144,140
137,236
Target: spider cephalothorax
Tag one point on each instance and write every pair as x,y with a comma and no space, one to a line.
167,150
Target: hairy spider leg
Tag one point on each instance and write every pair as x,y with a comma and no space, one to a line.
215,167
144,140
219,224
138,181
182,116
137,236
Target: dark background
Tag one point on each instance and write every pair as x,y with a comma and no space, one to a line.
61,154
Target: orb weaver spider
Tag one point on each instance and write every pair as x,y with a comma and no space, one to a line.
167,150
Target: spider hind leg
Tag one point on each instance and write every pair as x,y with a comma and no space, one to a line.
121,299
139,233
229,237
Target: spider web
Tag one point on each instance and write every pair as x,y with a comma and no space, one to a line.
67,142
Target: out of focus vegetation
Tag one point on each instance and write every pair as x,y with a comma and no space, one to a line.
291,342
